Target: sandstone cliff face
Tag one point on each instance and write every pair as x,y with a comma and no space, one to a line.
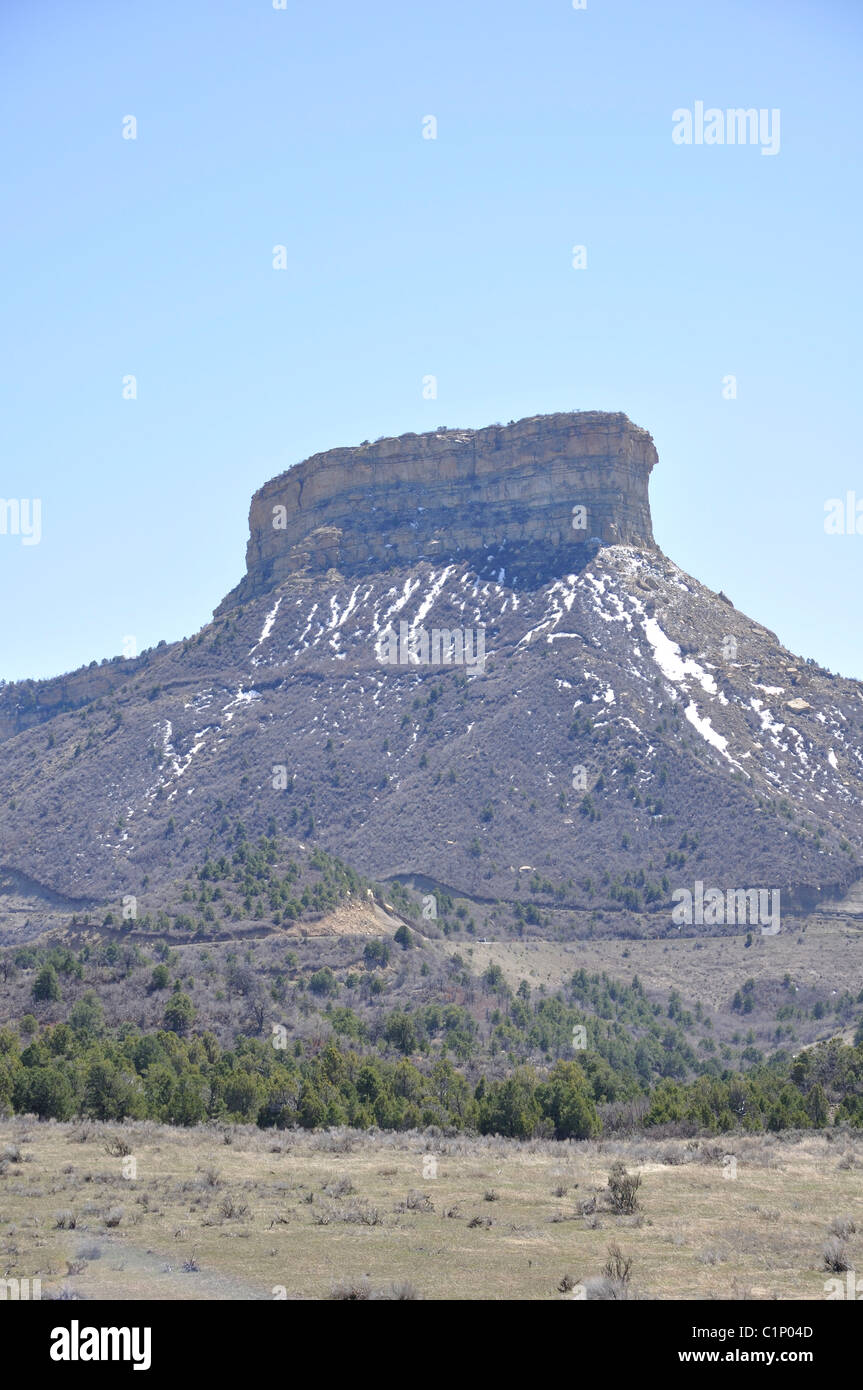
455,493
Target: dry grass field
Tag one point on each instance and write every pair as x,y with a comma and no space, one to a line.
824,953
240,1213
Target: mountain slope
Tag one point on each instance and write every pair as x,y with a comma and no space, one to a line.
628,732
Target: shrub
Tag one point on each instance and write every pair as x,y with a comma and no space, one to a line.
402,1291
323,982
233,1209
339,1187
351,1291
613,1285
617,1267
117,1148
836,1257
418,1201
605,1290
842,1227
623,1189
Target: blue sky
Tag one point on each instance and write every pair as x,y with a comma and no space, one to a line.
407,257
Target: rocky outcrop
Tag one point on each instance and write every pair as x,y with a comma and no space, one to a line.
454,493
24,704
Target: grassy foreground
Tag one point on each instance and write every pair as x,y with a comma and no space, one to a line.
240,1213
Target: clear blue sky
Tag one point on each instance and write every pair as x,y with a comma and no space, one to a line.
408,257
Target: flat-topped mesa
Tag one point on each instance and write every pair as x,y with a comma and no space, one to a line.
515,491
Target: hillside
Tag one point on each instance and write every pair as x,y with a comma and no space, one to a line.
626,733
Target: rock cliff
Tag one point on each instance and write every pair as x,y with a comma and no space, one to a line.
456,494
